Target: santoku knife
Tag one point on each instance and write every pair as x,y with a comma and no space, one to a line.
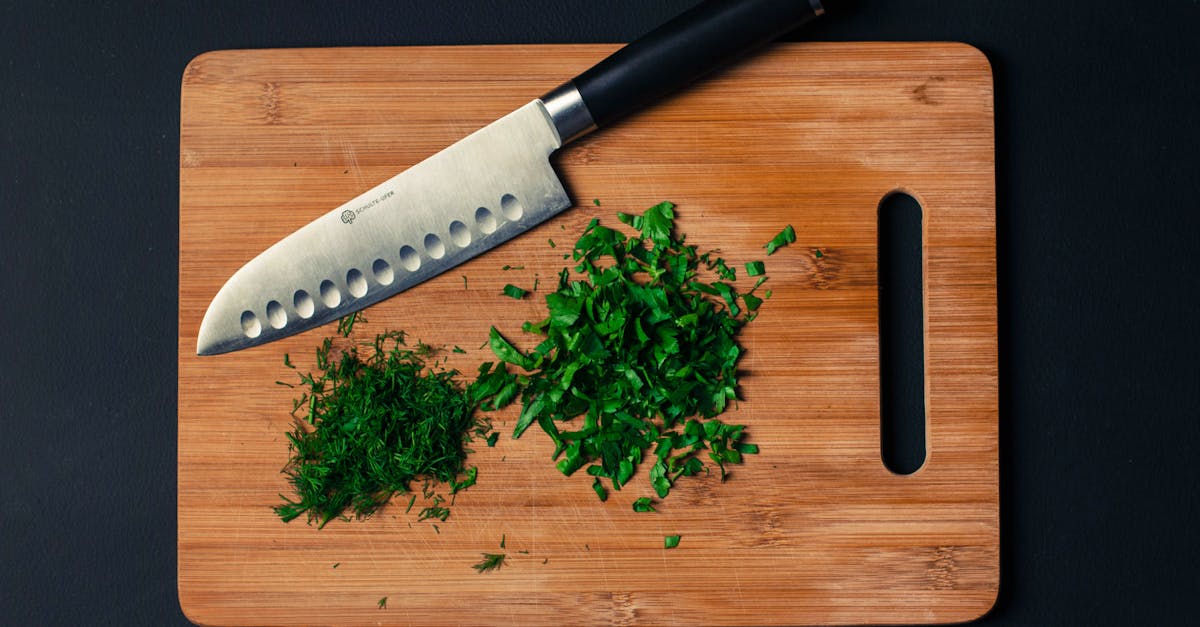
478,193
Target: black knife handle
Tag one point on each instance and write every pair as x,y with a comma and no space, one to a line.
671,56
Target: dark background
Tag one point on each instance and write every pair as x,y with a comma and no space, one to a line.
1098,119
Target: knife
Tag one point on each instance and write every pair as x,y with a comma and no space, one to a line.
478,193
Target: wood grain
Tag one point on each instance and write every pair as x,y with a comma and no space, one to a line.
814,530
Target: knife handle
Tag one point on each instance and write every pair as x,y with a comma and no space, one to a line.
669,57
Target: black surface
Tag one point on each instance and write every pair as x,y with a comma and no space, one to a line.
1097,128
901,334
698,41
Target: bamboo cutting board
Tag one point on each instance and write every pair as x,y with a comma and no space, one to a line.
814,529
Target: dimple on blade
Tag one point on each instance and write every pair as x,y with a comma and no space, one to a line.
476,194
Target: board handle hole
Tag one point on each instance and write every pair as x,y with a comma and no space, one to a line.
900,238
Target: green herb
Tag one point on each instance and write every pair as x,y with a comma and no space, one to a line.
637,353
287,361
436,529
373,419
819,253
599,489
513,291
507,267
464,278
459,350
491,439
643,505
597,201
785,237
410,504
336,564
456,485
670,542
346,323
755,268
491,561
440,513
383,603
502,536
435,511
552,244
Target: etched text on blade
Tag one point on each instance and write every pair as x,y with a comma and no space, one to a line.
482,191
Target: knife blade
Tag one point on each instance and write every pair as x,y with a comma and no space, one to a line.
477,193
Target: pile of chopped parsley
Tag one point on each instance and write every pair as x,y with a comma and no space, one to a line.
377,418
637,357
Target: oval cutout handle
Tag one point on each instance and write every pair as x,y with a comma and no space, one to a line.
902,429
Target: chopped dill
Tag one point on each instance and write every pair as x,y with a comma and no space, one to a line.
491,561
373,419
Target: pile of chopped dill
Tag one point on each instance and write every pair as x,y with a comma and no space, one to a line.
638,350
375,418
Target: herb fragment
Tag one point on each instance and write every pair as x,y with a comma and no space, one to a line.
819,254
785,237
755,268
346,323
491,561
491,439
670,542
456,485
513,291
597,201
382,603
599,489
643,505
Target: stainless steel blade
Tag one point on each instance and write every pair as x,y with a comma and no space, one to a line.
483,190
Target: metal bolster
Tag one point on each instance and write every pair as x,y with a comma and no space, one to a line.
570,114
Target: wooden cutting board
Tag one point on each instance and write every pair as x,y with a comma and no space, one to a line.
814,529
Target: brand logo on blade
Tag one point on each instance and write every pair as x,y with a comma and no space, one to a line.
349,215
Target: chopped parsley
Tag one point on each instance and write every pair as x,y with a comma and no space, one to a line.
637,357
785,237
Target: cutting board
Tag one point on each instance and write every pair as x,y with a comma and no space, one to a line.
814,529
